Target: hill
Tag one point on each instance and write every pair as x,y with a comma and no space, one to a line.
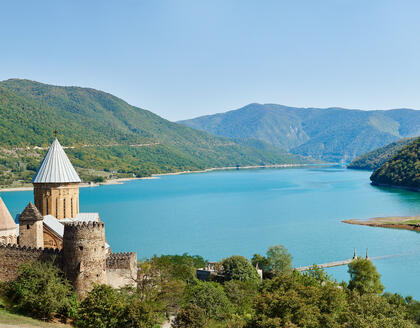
330,134
376,158
402,170
105,134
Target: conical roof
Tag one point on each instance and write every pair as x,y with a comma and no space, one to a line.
6,220
56,167
30,214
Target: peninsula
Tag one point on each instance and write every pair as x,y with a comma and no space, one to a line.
393,222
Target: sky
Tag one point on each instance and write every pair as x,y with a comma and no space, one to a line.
187,58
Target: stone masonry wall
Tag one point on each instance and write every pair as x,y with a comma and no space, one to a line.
121,270
12,256
84,255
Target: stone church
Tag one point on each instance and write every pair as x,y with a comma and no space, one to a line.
52,228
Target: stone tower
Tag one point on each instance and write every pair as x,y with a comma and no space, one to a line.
56,185
31,228
84,255
8,227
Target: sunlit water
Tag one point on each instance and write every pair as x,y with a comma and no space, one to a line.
243,212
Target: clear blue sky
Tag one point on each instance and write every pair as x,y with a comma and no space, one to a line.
182,59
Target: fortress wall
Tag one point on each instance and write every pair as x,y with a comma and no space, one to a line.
12,256
84,255
121,269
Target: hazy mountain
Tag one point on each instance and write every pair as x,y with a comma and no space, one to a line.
108,134
376,158
402,170
333,134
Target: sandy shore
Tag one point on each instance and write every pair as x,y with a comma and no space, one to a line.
156,176
393,222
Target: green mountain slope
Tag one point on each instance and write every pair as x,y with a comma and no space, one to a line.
107,134
332,134
401,170
376,158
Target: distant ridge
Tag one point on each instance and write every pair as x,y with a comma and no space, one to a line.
331,134
376,158
104,133
402,170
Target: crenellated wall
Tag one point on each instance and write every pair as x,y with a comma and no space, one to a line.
12,256
121,269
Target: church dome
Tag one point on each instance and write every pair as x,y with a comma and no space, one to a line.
56,167
6,220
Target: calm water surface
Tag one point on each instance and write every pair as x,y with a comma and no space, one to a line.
242,212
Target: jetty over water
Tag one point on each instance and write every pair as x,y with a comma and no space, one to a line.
338,263
324,265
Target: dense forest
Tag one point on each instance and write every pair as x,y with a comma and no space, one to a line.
376,158
234,297
329,134
401,170
106,137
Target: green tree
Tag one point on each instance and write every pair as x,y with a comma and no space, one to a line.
242,295
192,316
106,307
263,263
296,300
280,259
239,268
209,296
374,311
40,290
363,277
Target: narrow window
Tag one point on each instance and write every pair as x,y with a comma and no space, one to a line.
56,208
64,207
71,203
47,212
27,226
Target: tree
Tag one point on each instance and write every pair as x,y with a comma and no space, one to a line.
209,296
263,263
239,268
375,311
296,300
280,259
41,291
363,277
107,307
192,316
241,294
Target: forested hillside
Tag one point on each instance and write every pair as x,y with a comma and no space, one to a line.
107,134
376,158
401,170
331,134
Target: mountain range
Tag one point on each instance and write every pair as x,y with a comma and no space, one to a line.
104,133
329,134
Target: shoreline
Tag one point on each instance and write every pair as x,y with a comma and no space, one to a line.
391,222
376,184
157,175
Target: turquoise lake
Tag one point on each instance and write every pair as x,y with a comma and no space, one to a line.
243,212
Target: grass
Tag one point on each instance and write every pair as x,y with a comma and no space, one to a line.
16,320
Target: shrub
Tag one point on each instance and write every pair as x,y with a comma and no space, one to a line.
107,307
192,316
209,296
41,291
